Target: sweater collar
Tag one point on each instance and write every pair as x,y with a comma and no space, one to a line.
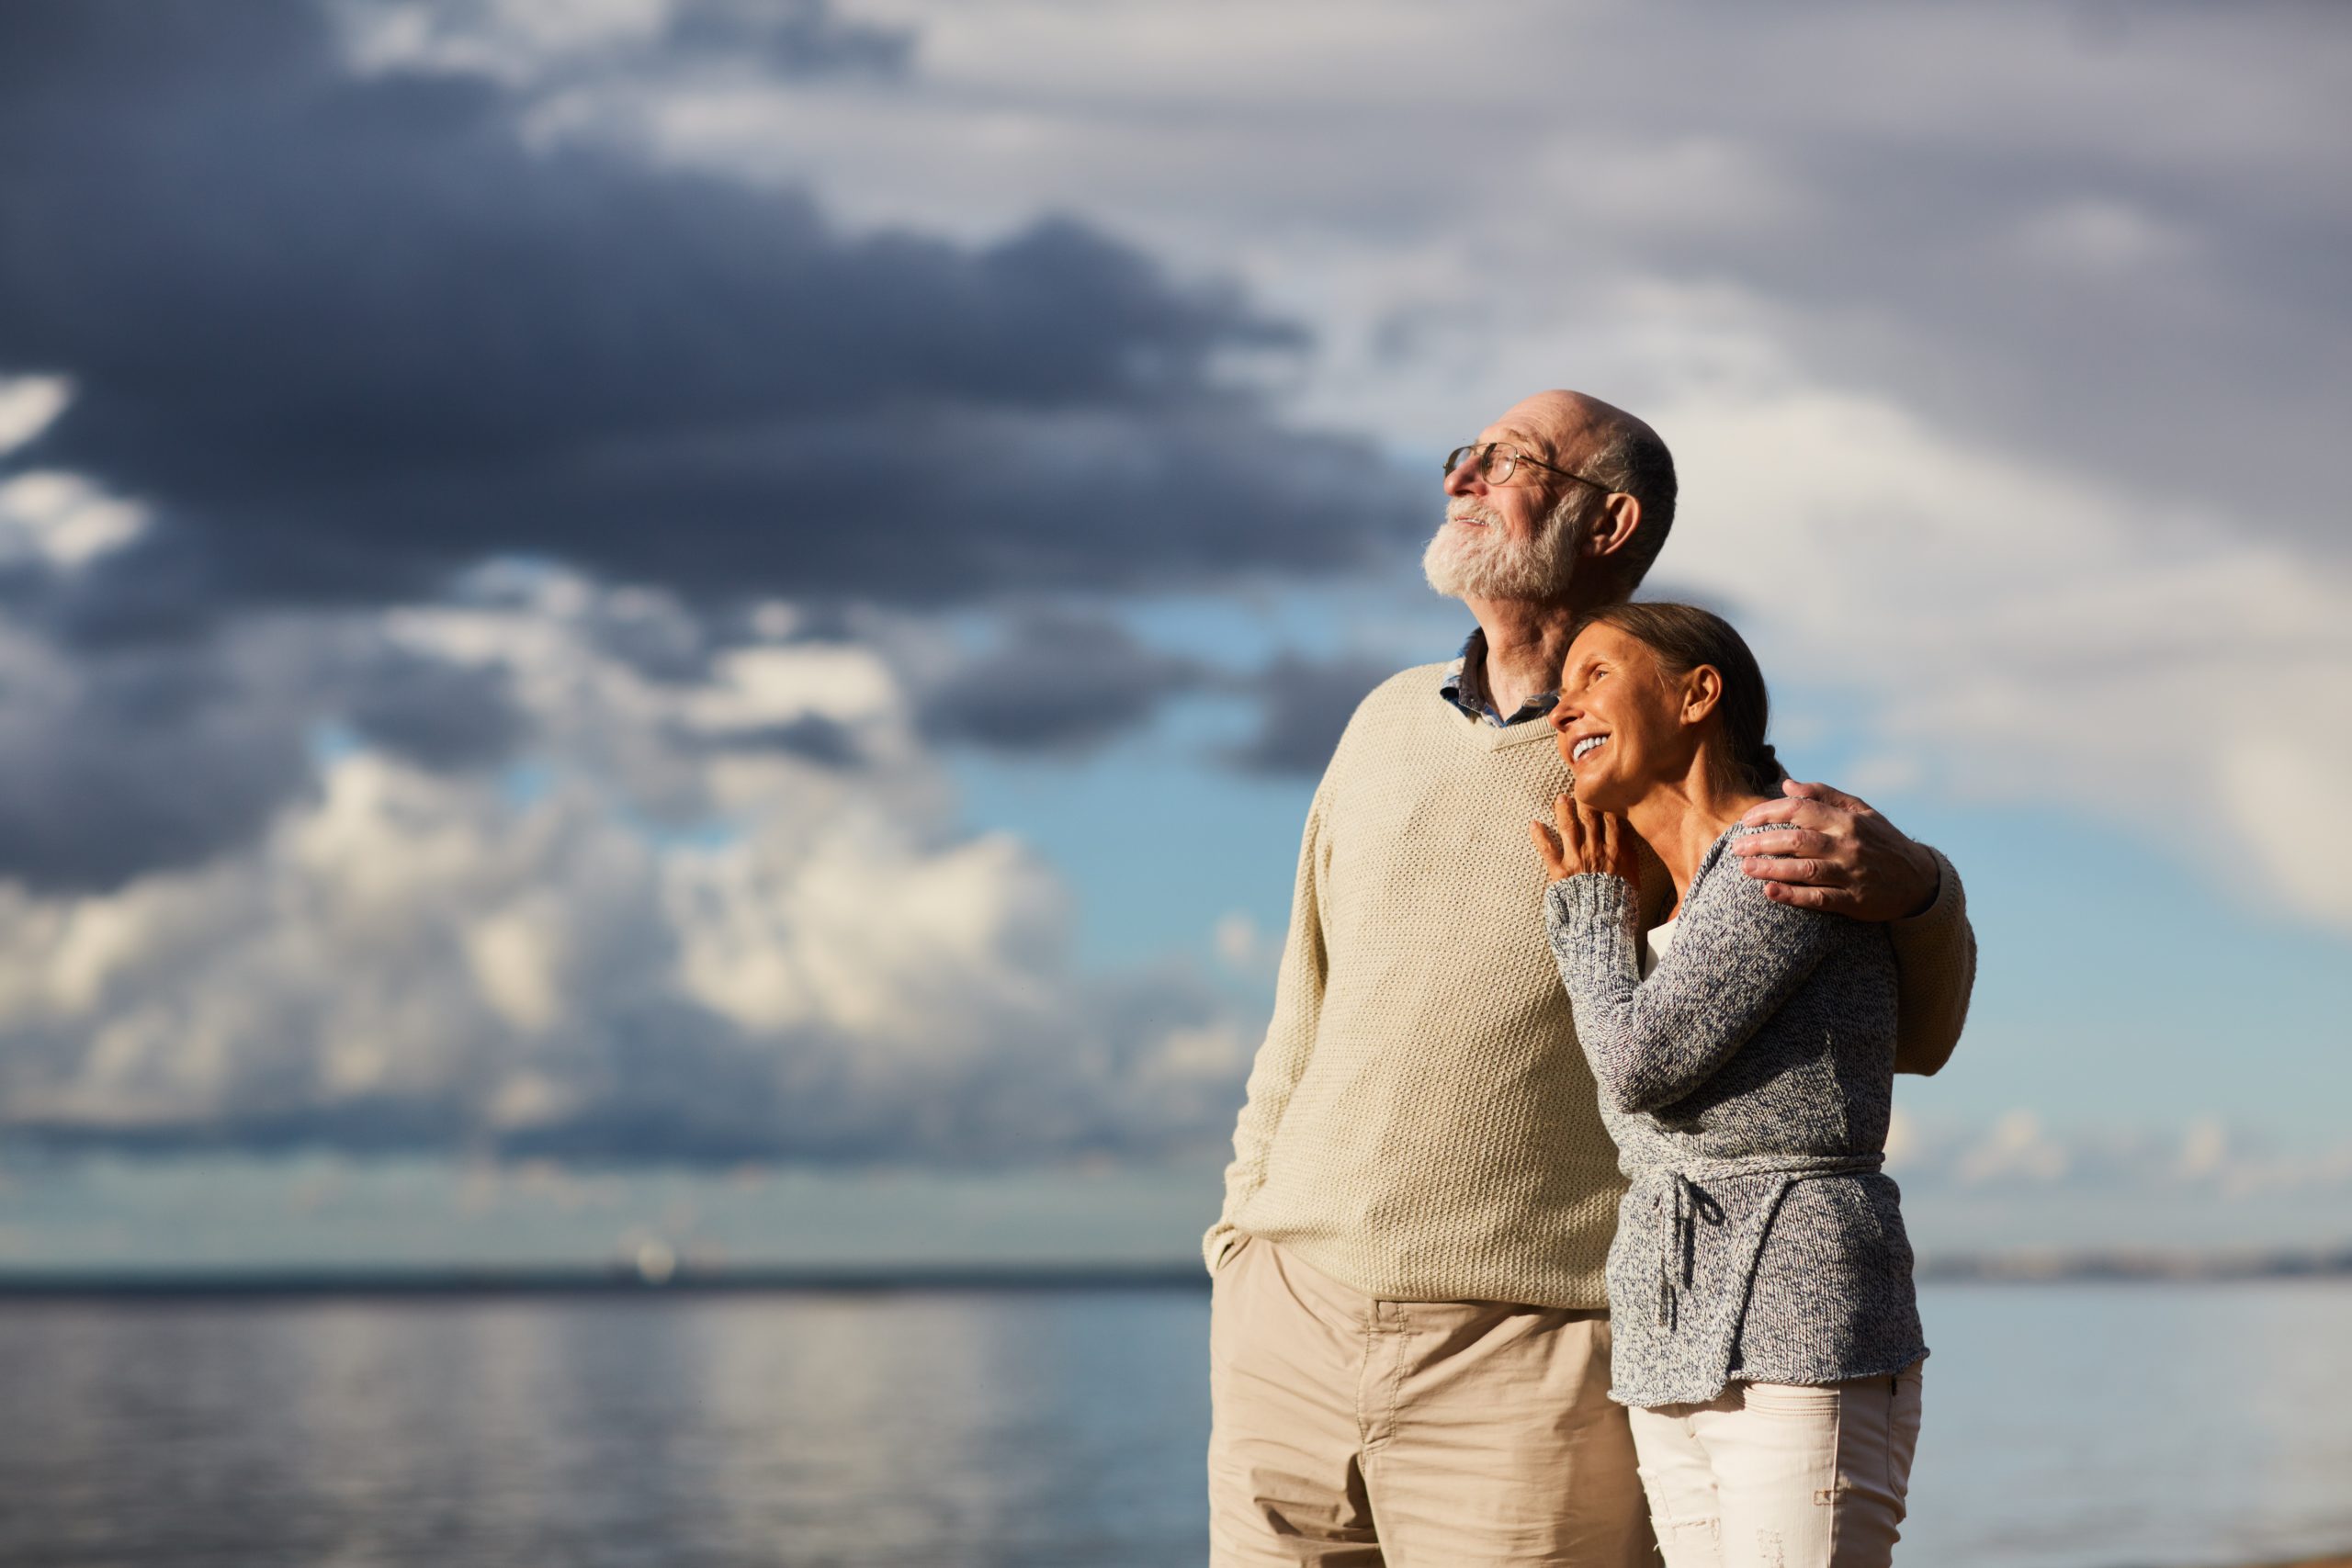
1465,687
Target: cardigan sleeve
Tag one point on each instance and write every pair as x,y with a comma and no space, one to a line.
1737,955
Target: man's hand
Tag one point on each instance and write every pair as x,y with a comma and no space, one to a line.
1834,852
1583,840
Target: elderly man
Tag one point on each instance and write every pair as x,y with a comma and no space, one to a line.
1410,1343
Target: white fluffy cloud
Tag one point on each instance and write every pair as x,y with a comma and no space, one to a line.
49,518
2020,1152
656,934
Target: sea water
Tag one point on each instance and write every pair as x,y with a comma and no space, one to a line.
2066,1425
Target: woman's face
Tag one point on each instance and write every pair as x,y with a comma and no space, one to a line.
1619,725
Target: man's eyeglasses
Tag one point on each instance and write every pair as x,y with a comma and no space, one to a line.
1496,460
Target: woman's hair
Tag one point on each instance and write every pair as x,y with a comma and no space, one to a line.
1683,637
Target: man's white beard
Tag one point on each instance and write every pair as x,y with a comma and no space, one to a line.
1487,563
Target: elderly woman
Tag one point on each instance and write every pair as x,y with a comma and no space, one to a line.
1767,1338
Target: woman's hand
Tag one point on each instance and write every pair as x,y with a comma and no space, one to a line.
1583,840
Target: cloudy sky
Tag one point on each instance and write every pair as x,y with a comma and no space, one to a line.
712,620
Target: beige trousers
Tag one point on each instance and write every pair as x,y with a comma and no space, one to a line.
1772,1475
1353,1432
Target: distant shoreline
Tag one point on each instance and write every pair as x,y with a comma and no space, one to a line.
2028,1264
618,1280
627,1279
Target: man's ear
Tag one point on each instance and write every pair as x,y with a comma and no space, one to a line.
1701,690
1621,517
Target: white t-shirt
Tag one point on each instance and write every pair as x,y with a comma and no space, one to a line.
1653,946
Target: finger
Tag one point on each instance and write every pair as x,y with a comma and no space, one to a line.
1787,841
1549,848
1832,900
1564,811
1596,839
1807,816
1799,869
1771,811
1803,789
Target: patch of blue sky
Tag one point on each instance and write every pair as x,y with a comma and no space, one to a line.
1398,619
525,780
2117,982
329,743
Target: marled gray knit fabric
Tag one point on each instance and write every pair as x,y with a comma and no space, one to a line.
1747,1083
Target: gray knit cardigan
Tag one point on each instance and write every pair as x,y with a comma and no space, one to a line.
1747,1083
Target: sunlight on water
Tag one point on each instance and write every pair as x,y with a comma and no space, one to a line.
2067,1425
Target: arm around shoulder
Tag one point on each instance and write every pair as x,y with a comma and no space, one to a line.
1935,956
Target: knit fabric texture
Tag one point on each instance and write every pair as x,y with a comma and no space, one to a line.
1421,1123
1749,1083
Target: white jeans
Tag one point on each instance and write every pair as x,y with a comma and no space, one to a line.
1773,1475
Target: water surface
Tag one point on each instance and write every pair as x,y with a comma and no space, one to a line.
2067,1426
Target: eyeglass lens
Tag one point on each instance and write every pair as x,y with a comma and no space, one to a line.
1495,460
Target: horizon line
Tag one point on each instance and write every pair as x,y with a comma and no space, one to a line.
2020,1266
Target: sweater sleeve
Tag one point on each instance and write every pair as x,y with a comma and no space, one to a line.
1290,1040
1935,956
1736,957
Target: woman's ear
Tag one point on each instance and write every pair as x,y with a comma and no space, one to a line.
1701,690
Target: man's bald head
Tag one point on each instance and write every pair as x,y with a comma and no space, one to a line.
1601,442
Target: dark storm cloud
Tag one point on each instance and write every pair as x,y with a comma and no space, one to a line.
812,738
116,762
1057,681
137,760
435,714
1307,704
348,334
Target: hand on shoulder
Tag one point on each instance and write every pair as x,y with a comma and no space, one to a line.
1830,850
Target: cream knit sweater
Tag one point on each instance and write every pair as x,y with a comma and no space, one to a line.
1422,1123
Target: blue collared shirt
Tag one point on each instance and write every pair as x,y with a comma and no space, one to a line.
1465,687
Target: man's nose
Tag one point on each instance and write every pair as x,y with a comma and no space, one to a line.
1464,480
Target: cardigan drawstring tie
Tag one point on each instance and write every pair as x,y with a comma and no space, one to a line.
1678,1256
1694,1206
